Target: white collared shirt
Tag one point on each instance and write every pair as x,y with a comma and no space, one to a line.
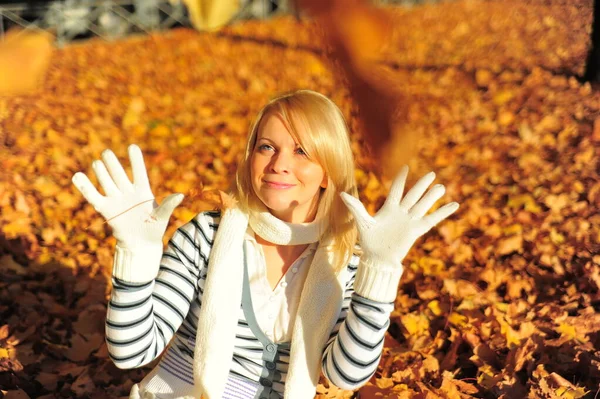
276,309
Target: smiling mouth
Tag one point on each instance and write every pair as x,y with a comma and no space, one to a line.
281,186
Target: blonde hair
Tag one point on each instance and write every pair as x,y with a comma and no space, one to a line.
326,141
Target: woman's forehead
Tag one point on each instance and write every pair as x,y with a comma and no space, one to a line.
274,127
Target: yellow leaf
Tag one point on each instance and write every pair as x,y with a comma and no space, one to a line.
166,100
415,324
225,142
46,187
467,304
457,319
509,245
134,111
185,141
372,190
556,237
486,376
3,353
434,306
17,227
557,202
24,59
181,186
40,125
570,393
501,306
505,118
549,123
160,130
461,288
578,187
526,201
567,330
23,141
503,97
431,266
513,229
184,214
526,133
400,387
384,382
67,200
44,258
513,338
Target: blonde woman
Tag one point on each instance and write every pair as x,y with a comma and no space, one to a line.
256,300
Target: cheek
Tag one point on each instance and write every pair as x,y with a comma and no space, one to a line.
254,168
312,176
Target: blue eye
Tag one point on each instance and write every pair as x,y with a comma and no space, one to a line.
300,151
265,147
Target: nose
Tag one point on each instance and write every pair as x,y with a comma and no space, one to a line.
281,162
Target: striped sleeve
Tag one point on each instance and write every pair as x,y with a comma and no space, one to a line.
143,317
354,348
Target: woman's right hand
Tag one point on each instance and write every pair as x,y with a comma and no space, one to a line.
129,208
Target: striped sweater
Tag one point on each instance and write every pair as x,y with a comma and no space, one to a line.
144,319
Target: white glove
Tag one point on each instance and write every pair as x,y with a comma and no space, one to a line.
387,237
138,223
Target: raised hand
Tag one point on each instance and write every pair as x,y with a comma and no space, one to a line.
129,208
387,237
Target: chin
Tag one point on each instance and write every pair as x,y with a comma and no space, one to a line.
277,207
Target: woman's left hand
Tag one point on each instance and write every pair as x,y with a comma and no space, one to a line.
387,237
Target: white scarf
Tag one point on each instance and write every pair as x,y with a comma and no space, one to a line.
318,309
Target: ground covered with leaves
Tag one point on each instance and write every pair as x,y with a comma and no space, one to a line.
499,301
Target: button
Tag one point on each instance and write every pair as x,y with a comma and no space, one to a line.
271,348
284,284
271,316
270,365
265,383
294,270
272,299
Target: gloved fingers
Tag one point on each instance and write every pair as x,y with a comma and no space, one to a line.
397,188
87,189
417,191
166,208
138,168
425,203
104,178
116,171
357,209
440,214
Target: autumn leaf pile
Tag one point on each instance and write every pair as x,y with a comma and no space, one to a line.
499,301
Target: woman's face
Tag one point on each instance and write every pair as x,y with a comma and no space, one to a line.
283,177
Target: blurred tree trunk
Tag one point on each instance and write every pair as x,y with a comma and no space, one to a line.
592,71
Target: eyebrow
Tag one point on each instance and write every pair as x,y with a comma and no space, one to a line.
271,141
